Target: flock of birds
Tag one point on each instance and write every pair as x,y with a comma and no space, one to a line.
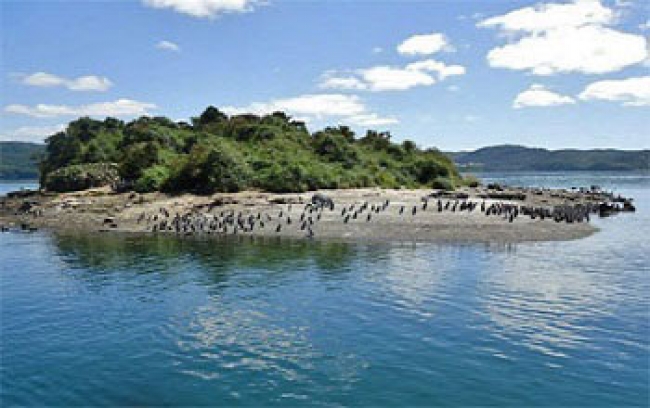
232,222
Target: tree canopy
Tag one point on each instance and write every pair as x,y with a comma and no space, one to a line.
217,152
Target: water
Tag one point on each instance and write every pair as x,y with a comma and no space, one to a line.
15,185
114,320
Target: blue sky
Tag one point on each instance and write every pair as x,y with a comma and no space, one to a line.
451,74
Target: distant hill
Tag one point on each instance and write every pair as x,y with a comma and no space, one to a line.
18,160
520,158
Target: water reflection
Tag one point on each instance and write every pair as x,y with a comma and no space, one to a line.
94,257
546,303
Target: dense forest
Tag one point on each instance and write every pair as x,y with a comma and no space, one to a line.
221,153
520,158
19,160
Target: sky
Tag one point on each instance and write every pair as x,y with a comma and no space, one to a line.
456,75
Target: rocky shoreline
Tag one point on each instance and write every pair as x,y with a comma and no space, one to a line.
492,213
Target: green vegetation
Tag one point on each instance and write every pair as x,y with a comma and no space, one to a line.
19,160
218,153
519,158
82,176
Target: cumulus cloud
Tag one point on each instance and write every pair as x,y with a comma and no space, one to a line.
120,107
370,119
82,83
424,44
168,46
344,108
385,78
342,83
31,133
204,8
560,38
544,17
441,69
391,78
630,91
538,95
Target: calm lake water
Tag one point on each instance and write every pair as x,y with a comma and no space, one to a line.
119,320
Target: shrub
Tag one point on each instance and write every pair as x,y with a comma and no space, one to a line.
211,167
82,176
152,179
442,183
471,181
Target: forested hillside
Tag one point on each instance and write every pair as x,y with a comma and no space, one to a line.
520,158
19,160
217,152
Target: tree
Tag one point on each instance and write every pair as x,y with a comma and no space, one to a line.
210,115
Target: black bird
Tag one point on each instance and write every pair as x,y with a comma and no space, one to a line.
401,210
279,227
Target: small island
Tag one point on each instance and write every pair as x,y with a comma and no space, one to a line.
267,176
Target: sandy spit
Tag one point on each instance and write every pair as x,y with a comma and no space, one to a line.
101,211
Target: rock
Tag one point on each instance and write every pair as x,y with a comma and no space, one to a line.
628,206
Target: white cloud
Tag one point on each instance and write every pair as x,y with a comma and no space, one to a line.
377,50
538,95
344,108
560,38
168,46
82,83
370,119
440,68
645,26
316,105
204,8
342,83
120,107
588,49
31,133
424,44
390,78
544,17
630,91
385,78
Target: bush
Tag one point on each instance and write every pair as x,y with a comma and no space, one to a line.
211,167
441,183
471,181
82,176
152,179
336,148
